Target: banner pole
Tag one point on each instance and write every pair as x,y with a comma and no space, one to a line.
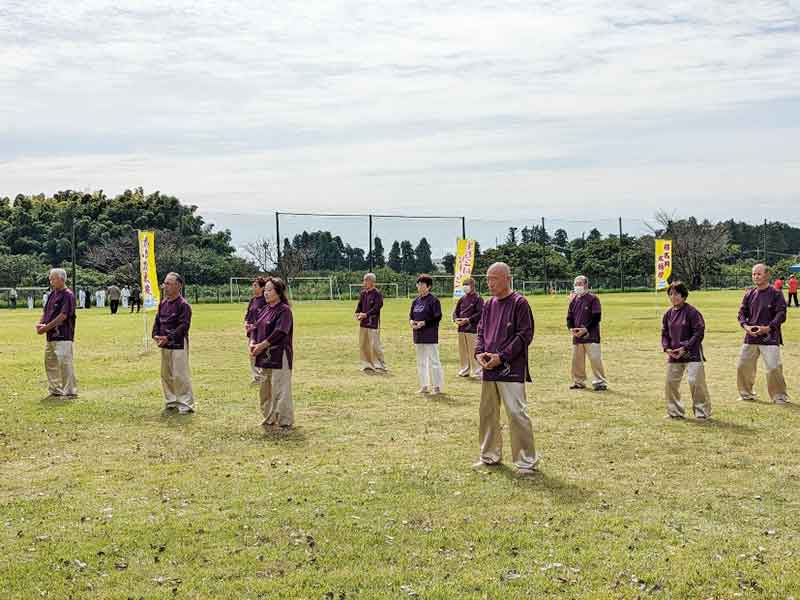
145,339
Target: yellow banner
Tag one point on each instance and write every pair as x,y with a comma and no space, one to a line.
663,263
465,261
151,293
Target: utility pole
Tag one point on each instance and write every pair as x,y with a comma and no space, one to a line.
766,259
544,256
621,271
278,235
74,255
371,257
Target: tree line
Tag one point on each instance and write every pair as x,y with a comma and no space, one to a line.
37,232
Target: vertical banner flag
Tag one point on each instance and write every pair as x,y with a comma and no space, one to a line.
151,293
663,263
465,260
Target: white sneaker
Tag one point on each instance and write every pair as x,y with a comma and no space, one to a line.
423,390
436,391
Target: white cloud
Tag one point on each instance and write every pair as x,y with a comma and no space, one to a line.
538,107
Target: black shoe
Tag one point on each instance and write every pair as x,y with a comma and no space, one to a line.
577,386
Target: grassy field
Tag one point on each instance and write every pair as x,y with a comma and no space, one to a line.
372,495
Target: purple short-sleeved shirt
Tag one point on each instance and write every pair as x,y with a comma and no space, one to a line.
506,328
60,302
763,307
276,325
428,309
469,307
173,320
254,308
370,302
683,328
585,311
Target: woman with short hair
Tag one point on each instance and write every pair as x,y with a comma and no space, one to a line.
254,308
682,332
271,345
425,315
467,315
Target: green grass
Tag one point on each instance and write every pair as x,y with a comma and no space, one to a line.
372,495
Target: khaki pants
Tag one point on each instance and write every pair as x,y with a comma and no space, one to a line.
746,372
511,394
466,355
429,366
276,395
59,368
369,343
176,378
701,401
579,354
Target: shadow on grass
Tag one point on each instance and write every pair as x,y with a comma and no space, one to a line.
721,425
566,492
53,400
295,436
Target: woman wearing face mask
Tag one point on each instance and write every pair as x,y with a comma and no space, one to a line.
682,332
254,308
425,315
271,345
466,315
583,320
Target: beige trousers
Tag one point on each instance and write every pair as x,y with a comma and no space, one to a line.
59,368
511,394
429,366
579,354
371,349
746,372
701,401
466,355
255,372
276,395
176,378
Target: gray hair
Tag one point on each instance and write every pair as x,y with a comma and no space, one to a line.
763,266
61,273
371,277
583,279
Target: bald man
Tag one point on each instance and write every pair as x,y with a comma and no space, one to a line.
171,333
504,333
368,315
761,315
58,323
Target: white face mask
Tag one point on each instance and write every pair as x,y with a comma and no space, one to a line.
466,289
580,290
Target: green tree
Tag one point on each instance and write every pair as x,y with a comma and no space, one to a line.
394,262
422,255
408,262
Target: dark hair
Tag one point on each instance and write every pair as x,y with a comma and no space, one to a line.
426,279
260,281
678,287
280,288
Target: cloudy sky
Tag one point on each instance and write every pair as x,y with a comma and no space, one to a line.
500,110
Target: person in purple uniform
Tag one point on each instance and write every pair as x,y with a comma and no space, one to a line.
272,346
254,308
368,315
467,315
504,333
425,315
58,324
583,320
682,332
761,314
171,333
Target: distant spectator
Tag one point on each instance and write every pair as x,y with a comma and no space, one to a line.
136,298
114,295
792,289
